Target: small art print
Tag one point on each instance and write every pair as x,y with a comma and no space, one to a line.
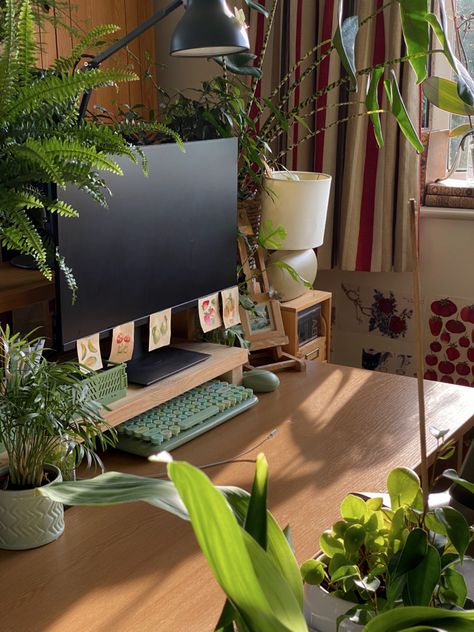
450,354
122,342
160,329
208,308
88,352
378,312
388,362
230,307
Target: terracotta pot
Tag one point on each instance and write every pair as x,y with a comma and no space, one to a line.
28,520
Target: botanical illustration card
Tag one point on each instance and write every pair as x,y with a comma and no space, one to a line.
88,352
449,353
160,329
230,306
387,361
208,309
122,342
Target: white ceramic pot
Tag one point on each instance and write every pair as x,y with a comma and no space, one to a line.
28,520
321,611
300,206
303,261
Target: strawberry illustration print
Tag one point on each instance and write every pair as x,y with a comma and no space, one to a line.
436,324
445,337
455,326
447,379
446,367
461,381
431,375
464,341
435,346
452,353
122,342
467,314
209,316
431,360
462,368
470,354
443,307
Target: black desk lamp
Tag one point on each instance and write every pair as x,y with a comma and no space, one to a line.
207,28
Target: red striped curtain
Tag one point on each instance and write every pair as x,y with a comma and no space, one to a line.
367,227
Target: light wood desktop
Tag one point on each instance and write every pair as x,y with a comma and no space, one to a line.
135,568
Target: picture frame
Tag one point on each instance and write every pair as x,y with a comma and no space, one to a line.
265,329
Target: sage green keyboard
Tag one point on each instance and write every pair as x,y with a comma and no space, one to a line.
183,418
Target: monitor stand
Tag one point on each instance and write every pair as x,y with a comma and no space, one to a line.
153,366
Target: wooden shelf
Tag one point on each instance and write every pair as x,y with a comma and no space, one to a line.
225,362
20,288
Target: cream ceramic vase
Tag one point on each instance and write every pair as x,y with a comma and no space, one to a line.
28,520
304,262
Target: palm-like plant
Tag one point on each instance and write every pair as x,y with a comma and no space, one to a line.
42,147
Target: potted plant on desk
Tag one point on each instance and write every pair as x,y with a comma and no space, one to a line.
43,406
378,557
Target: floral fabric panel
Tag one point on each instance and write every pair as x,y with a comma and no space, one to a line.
160,329
122,342
208,309
230,307
88,352
376,311
449,356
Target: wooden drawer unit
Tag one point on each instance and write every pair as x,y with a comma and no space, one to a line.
307,323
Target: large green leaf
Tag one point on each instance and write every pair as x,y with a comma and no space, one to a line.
403,486
240,64
465,83
398,109
344,42
416,34
443,93
246,573
372,103
412,553
407,618
454,476
422,580
457,528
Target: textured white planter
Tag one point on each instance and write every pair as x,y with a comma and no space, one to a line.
28,520
303,261
300,206
321,611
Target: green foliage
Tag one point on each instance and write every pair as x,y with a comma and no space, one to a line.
247,551
383,557
41,143
44,406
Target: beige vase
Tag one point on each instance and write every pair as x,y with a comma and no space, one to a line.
28,520
322,610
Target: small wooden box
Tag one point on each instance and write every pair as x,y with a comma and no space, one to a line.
308,330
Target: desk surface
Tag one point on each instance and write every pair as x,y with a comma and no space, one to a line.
135,568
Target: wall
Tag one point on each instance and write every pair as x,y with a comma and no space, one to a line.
447,271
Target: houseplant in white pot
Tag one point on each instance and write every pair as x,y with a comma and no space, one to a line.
43,405
380,557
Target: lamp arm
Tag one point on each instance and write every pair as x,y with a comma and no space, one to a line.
121,43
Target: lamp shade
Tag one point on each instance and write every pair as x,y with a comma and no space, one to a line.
208,28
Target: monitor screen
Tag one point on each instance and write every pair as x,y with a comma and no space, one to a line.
165,240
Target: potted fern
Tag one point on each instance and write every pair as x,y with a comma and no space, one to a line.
42,147
43,406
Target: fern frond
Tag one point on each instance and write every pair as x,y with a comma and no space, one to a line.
92,39
63,151
8,57
26,44
22,235
51,89
68,275
32,152
62,208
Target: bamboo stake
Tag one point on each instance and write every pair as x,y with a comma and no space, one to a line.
419,351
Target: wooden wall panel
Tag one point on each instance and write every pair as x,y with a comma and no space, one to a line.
127,14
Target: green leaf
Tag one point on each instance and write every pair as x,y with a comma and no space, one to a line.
312,572
372,103
454,476
403,486
246,573
270,237
257,7
412,553
457,528
354,538
239,64
256,518
344,42
398,109
460,130
416,34
329,544
402,619
353,508
455,583
294,274
422,580
443,94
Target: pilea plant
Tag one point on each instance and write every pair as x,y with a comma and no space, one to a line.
379,557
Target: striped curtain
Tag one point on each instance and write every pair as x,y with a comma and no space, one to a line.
367,227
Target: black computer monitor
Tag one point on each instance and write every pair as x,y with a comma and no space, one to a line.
165,241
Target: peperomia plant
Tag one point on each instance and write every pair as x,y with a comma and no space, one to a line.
379,557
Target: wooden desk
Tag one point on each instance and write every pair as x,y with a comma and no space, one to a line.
135,568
